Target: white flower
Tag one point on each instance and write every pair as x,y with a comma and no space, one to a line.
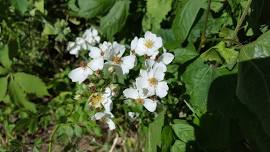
141,97
148,45
133,115
98,100
161,62
115,58
91,36
134,44
106,117
98,58
81,73
89,39
73,48
152,80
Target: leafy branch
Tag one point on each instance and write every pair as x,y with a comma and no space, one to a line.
203,36
241,20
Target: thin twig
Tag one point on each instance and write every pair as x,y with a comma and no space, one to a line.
51,137
114,143
241,20
203,36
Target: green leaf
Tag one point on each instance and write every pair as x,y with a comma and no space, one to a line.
156,11
221,55
48,29
198,78
31,84
185,17
3,71
20,5
19,97
153,136
90,8
184,131
115,20
178,146
183,55
253,89
3,87
40,6
166,138
4,56
257,49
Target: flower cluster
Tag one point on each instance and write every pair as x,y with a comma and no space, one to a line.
147,88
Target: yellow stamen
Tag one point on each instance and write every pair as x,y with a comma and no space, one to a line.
153,81
149,44
139,101
116,60
95,100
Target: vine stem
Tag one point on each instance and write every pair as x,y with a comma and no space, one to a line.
241,20
203,36
51,138
114,143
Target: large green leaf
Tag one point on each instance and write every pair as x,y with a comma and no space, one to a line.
156,11
223,102
18,96
185,17
221,55
31,84
198,78
90,8
167,138
20,5
183,55
178,146
153,136
184,131
115,20
3,87
4,56
253,89
257,49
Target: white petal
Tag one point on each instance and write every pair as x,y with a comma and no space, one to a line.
152,52
150,36
158,42
162,89
95,52
110,123
79,74
94,32
134,43
99,115
97,64
131,93
167,58
140,50
161,66
149,63
128,63
107,104
97,38
142,82
150,105
75,51
158,73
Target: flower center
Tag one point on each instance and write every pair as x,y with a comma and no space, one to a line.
149,44
153,81
95,100
140,101
116,60
83,64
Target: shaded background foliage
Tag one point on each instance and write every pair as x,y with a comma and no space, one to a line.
219,81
